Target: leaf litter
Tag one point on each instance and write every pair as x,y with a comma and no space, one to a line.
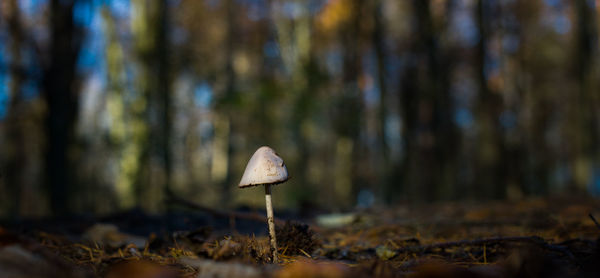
530,238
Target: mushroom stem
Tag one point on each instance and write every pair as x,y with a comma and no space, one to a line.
271,222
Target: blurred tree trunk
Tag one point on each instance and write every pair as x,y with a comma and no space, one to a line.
429,133
304,103
587,104
530,158
516,90
152,113
15,158
378,41
164,93
140,148
62,100
230,99
491,174
351,116
425,86
294,37
447,143
116,105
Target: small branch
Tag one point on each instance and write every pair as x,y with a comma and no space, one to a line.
482,241
594,219
490,241
220,213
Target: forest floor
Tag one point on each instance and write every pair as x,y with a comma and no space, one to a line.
552,237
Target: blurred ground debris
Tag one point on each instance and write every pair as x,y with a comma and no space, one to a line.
529,238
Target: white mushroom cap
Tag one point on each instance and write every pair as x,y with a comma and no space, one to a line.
265,167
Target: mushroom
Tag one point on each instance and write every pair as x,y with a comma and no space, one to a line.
266,168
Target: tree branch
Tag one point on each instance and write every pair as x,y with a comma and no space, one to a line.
220,213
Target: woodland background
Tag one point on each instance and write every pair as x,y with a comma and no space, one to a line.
110,105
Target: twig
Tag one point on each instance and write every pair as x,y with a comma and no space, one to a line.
219,213
489,241
482,241
594,219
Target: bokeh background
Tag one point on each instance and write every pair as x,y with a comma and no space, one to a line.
112,105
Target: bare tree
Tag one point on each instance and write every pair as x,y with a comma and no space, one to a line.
60,90
15,159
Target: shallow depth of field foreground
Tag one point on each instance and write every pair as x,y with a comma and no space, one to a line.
553,237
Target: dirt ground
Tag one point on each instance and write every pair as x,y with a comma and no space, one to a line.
552,237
